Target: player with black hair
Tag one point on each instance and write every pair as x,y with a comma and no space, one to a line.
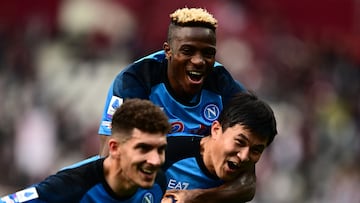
246,126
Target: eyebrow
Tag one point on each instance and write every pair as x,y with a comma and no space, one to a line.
142,144
243,136
256,145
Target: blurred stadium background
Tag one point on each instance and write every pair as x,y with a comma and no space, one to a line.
57,59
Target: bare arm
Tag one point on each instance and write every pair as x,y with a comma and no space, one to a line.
241,189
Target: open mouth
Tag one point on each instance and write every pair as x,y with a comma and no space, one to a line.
233,165
147,171
195,76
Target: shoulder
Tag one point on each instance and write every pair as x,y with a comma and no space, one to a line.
68,185
221,81
181,147
147,63
72,182
221,73
147,70
156,56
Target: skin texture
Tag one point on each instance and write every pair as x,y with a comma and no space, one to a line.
190,50
133,163
236,145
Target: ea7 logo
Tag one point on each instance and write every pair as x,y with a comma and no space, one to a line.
177,185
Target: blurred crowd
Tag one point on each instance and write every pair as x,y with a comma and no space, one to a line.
56,65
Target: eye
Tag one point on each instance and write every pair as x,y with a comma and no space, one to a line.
161,150
144,148
186,50
240,142
209,53
257,150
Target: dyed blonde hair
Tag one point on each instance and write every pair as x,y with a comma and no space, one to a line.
193,17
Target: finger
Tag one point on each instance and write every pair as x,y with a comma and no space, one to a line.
172,191
168,198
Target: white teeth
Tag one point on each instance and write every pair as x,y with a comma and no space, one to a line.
147,171
234,165
195,73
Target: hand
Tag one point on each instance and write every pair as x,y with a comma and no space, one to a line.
178,196
169,198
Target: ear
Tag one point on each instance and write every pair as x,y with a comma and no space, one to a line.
167,50
216,130
113,146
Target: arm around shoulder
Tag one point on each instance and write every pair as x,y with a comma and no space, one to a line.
241,189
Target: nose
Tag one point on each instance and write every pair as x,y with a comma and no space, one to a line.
198,59
244,155
155,159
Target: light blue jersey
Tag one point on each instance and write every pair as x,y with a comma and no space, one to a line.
83,182
184,167
147,79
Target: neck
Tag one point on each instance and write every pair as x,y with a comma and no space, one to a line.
205,151
117,180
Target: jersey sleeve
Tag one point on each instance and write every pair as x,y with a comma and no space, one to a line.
224,84
29,195
53,189
128,84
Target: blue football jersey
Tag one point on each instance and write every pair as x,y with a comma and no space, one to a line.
184,167
147,79
85,183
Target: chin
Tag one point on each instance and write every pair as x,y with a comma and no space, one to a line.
147,185
193,91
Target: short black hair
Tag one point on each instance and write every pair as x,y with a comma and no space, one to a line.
249,111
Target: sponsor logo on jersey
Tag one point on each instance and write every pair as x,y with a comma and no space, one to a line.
177,185
21,196
177,126
115,102
148,198
211,112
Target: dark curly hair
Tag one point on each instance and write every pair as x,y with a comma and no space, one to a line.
140,114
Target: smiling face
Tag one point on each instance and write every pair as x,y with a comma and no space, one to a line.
191,56
233,151
140,158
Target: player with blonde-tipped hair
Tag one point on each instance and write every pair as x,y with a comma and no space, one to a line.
185,80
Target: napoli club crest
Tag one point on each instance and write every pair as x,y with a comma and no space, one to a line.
148,198
211,112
